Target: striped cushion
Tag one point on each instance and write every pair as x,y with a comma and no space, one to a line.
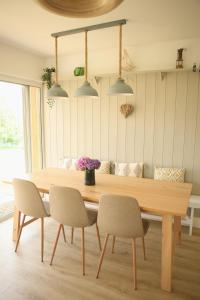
169,174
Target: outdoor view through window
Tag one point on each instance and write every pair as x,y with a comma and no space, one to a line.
12,159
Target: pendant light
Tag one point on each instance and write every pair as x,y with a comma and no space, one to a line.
120,88
56,91
86,90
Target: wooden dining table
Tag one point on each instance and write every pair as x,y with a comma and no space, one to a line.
167,199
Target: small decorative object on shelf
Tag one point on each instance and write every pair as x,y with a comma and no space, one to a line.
79,71
194,67
126,109
88,165
179,61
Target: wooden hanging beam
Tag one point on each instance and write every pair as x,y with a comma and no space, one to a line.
89,28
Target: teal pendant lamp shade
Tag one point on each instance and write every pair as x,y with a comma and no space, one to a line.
56,91
86,90
120,88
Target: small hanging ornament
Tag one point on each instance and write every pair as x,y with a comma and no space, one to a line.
126,109
179,61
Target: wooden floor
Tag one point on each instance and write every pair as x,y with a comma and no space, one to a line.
24,277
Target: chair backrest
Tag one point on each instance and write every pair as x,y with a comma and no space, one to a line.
28,199
120,216
67,206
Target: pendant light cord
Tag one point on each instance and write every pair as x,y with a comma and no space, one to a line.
86,56
56,56
120,50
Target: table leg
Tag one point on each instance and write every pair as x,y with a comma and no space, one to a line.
166,257
177,230
191,220
16,223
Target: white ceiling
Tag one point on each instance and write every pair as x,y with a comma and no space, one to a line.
24,24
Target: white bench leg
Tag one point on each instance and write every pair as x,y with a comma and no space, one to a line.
191,220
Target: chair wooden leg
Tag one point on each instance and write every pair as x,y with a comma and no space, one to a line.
83,250
55,245
143,246
113,244
134,264
64,236
42,239
72,235
98,236
20,232
102,255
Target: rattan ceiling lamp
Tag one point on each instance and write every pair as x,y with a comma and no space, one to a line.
56,91
86,90
80,8
120,88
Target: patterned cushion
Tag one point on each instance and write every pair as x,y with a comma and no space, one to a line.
169,174
104,168
129,169
121,169
135,169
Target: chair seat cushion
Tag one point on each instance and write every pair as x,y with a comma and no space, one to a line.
92,216
145,226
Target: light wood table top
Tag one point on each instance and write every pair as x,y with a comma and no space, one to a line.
168,199
154,196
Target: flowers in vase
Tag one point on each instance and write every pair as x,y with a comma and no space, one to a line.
86,163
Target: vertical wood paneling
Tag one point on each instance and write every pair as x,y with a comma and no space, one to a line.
96,150
121,133
59,131
169,119
112,130
81,125
104,117
140,117
179,125
130,123
88,127
190,124
159,120
67,123
163,130
74,119
196,164
149,124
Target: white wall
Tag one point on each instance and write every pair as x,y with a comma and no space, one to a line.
148,57
20,64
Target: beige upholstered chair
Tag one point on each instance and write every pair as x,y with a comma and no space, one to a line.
120,216
29,202
67,208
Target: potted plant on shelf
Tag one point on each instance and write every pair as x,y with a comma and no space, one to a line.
88,165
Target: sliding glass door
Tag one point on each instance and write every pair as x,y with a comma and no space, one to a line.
12,146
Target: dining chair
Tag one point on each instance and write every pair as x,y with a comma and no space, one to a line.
29,203
120,216
67,208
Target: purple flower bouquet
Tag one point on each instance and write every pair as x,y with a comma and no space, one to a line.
88,165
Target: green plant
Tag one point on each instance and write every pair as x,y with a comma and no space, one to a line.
46,76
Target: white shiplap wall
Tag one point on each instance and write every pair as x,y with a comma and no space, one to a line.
163,130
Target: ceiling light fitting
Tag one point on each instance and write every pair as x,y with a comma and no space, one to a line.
56,91
120,88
